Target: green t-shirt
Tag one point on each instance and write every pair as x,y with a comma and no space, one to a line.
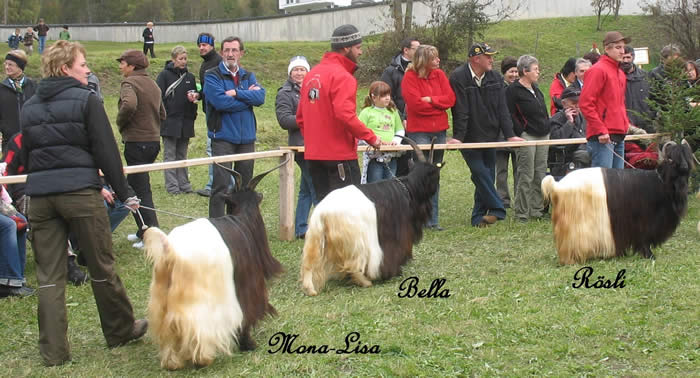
385,123
64,35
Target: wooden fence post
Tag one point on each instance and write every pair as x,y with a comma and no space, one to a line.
287,197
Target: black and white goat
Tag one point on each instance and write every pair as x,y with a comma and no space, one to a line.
601,213
367,231
208,288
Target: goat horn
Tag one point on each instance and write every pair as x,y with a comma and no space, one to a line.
255,180
237,176
432,145
419,153
685,142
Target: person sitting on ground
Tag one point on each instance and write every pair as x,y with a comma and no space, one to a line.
562,79
13,251
568,123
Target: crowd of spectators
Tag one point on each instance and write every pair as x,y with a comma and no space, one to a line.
597,97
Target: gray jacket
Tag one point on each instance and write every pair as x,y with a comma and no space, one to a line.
635,100
286,105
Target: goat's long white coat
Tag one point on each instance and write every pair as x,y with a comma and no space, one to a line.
580,217
193,310
342,239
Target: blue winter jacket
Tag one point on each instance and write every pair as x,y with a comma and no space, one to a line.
237,119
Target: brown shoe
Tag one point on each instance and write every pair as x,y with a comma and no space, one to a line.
490,219
140,328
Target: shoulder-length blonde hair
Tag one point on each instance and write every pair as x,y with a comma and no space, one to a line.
421,60
58,54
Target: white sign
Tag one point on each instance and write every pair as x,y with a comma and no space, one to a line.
641,55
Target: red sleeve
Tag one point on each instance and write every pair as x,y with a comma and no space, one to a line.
588,102
412,96
447,99
344,101
555,91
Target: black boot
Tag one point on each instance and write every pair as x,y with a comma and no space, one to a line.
76,276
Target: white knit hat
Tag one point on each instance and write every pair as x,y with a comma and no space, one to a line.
298,61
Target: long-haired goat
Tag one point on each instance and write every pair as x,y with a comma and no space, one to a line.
601,213
367,231
208,286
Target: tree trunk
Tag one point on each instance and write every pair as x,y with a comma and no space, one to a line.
4,16
408,18
617,5
397,13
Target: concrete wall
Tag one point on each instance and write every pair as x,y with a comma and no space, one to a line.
311,26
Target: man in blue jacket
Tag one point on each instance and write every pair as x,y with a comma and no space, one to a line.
230,93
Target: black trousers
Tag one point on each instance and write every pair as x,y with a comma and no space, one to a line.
222,178
328,175
148,47
137,153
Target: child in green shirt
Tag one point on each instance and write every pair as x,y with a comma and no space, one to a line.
64,34
381,116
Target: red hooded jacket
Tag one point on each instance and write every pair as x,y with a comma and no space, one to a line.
423,116
327,115
602,100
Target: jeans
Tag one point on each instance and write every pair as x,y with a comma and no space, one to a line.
222,178
176,179
532,167
482,164
148,47
307,196
137,153
13,252
503,155
426,138
602,154
42,43
377,171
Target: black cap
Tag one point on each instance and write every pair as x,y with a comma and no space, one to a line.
570,92
345,36
481,49
508,63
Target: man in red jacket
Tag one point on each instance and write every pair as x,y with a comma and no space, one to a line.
602,104
327,115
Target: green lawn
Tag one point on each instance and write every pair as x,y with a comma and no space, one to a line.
512,310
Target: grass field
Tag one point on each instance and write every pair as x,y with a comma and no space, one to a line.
512,310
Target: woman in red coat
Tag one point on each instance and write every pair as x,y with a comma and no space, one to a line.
428,94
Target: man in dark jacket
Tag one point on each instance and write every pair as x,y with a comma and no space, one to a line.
67,139
148,40
207,50
231,92
393,75
479,114
14,91
140,112
636,93
568,123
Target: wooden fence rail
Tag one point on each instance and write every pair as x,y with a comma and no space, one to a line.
286,184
